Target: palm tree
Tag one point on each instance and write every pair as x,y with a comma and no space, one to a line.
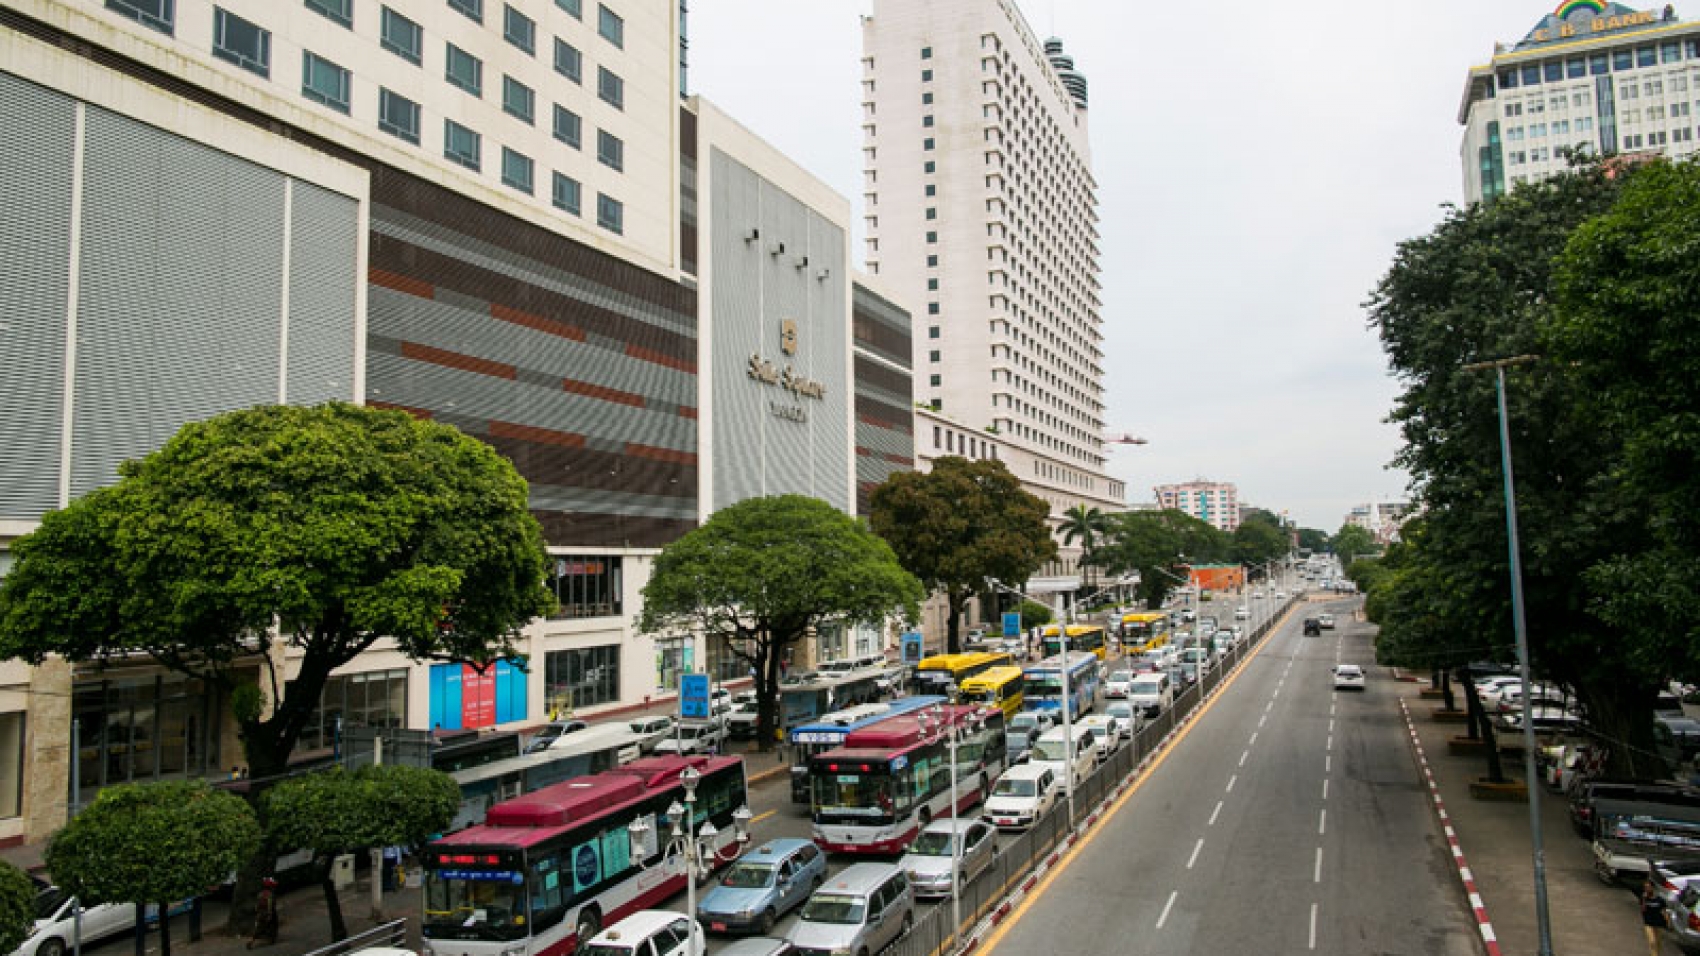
1086,524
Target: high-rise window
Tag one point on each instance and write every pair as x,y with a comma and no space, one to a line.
242,43
610,151
464,70
568,126
517,170
461,145
401,36
573,7
518,29
569,62
324,82
518,100
338,11
472,9
398,116
610,213
610,26
565,196
155,14
610,88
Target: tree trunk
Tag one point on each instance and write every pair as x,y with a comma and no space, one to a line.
954,604
767,694
165,929
141,933
333,905
1451,703
1473,705
1490,738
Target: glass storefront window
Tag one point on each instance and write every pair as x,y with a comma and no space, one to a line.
581,677
371,699
673,656
11,764
586,586
144,728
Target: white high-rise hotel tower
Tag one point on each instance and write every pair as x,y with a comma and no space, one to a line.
980,208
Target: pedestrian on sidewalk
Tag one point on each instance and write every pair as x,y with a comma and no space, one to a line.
1652,912
265,914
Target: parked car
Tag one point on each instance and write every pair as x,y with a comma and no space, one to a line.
741,722
941,842
1546,720
552,733
858,912
693,737
54,911
1117,684
763,885
1348,677
652,729
1677,740
1022,795
1105,732
648,933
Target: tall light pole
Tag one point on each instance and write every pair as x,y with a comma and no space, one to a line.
1067,721
695,846
1542,921
933,724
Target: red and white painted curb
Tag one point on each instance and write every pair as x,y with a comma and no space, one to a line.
1490,942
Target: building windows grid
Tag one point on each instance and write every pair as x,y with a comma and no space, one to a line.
574,8
464,70
242,43
398,116
324,82
158,15
518,100
610,213
401,36
471,9
564,194
610,150
568,128
517,171
336,11
611,88
610,26
569,62
519,30
462,145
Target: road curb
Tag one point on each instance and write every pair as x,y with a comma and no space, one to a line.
1490,942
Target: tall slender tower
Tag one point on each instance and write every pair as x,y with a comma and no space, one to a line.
981,211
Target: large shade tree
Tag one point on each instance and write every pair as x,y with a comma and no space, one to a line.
1157,545
17,907
960,524
153,843
284,533
762,574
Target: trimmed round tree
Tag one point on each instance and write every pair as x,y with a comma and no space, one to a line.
17,907
148,843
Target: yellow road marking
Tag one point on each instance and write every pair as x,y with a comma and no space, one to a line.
1069,853
762,816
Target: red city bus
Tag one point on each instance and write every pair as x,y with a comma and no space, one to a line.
887,781
546,871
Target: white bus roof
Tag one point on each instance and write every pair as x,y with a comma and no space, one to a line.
591,739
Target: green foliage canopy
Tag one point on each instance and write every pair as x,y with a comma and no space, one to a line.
153,843
1156,545
338,811
1352,542
959,524
1034,614
17,907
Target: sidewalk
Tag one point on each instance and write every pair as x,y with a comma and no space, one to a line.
1587,917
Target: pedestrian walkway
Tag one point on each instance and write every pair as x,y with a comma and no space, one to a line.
1587,917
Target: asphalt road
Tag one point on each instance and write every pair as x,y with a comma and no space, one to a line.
1289,819
776,816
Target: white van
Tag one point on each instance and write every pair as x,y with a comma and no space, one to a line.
1152,693
1054,750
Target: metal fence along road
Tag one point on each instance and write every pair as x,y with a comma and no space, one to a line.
933,934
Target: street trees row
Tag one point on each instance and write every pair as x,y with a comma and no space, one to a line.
1594,272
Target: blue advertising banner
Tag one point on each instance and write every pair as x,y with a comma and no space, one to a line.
912,647
693,696
1012,624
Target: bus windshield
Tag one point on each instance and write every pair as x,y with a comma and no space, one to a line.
978,696
852,794
1044,686
491,906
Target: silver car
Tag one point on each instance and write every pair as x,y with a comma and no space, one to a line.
858,912
928,862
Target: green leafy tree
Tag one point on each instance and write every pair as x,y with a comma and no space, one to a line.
1259,539
1152,544
1628,325
1034,614
959,524
1352,542
1314,540
1482,286
1086,525
17,907
337,811
153,843
760,574
284,532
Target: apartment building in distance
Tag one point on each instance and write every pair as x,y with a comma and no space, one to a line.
1216,503
981,211
1604,78
508,216
1381,519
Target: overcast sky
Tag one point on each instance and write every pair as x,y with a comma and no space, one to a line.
1257,163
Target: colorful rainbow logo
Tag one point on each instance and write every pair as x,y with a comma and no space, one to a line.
1568,7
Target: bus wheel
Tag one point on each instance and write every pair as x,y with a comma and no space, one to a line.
985,788
589,924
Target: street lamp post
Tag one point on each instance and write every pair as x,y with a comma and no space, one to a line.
934,724
1067,722
694,845
1542,921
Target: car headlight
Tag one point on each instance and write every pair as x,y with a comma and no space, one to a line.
516,950
840,952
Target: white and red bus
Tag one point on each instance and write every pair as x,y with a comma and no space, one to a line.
887,781
546,871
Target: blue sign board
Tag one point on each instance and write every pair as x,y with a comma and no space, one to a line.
1012,624
693,696
913,650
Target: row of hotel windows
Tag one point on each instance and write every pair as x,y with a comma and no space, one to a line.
955,443
1585,98
1631,142
1554,71
517,28
248,45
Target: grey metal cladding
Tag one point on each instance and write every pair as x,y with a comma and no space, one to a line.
883,326
324,247
740,415
180,300
35,236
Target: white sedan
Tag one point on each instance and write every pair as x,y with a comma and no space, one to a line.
1348,677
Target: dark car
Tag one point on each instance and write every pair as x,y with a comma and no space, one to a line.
1313,627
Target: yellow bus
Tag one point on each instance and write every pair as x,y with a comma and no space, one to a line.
1144,631
1081,637
943,673
995,687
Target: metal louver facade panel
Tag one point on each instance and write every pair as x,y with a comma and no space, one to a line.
885,429
35,235
181,291
324,248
